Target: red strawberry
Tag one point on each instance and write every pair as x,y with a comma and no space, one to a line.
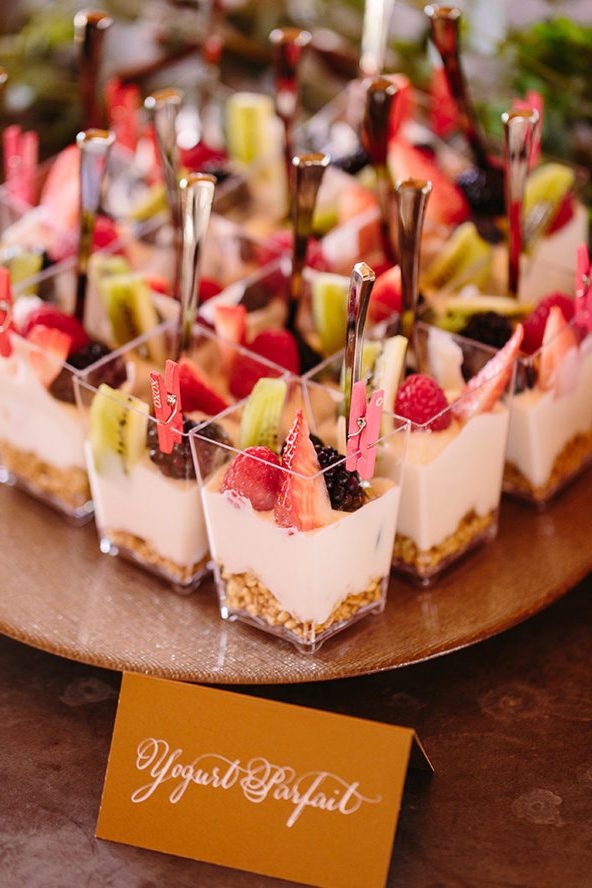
50,316
61,192
447,205
208,289
281,242
354,201
386,295
196,393
564,214
105,233
255,476
245,373
483,391
54,348
230,323
420,399
200,156
158,284
302,502
534,326
279,347
403,106
558,340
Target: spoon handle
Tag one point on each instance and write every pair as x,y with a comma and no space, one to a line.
197,196
94,145
519,132
412,198
287,46
360,288
375,31
90,27
381,93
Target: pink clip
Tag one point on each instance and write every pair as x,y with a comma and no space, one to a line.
583,288
533,101
5,313
21,153
166,397
363,431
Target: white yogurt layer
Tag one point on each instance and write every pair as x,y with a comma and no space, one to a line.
310,572
542,424
165,512
451,473
559,249
31,420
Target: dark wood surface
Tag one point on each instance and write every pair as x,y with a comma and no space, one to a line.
507,724
59,594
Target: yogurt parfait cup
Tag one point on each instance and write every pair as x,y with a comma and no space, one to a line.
301,547
147,504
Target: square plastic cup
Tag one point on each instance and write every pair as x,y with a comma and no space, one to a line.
453,477
286,561
147,504
550,440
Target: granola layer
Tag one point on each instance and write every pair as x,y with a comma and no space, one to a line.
67,486
244,593
572,458
141,551
426,562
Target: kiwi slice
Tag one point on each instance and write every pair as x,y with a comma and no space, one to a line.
387,376
153,202
247,126
23,265
545,189
453,312
131,311
262,414
325,219
329,310
465,259
118,424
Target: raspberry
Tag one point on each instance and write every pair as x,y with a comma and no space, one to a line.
254,480
420,399
534,326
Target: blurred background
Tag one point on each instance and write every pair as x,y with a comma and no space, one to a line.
510,47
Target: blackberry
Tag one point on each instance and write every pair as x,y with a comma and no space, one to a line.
344,488
484,190
354,162
179,463
113,373
489,328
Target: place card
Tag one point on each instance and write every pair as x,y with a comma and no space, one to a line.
253,784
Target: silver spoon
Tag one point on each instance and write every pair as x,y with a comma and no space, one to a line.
287,47
360,289
411,201
375,31
90,27
519,131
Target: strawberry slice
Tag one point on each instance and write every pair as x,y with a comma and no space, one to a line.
230,323
281,242
403,106
483,391
50,316
447,204
61,191
558,363
354,201
208,289
246,372
196,393
302,502
386,295
279,347
105,233
55,346
565,213
254,476
158,284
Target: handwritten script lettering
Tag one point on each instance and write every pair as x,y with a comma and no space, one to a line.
258,780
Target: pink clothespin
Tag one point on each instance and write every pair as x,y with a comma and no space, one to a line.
5,313
363,430
21,154
166,397
363,420
583,288
534,101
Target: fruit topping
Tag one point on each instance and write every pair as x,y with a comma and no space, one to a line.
303,501
387,375
60,193
354,162
559,359
386,295
546,189
354,201
50,316
131,311
208,289
483,391
255,476
196,392
421,400
113,372
329,310
484,190
53,345
279,347
230,323
117,429
453,312
446,205
489,328
105,233
210,456
535,323
344,488
464,259
262,414
179,462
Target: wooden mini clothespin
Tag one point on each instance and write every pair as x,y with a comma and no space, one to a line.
5,312
166,397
